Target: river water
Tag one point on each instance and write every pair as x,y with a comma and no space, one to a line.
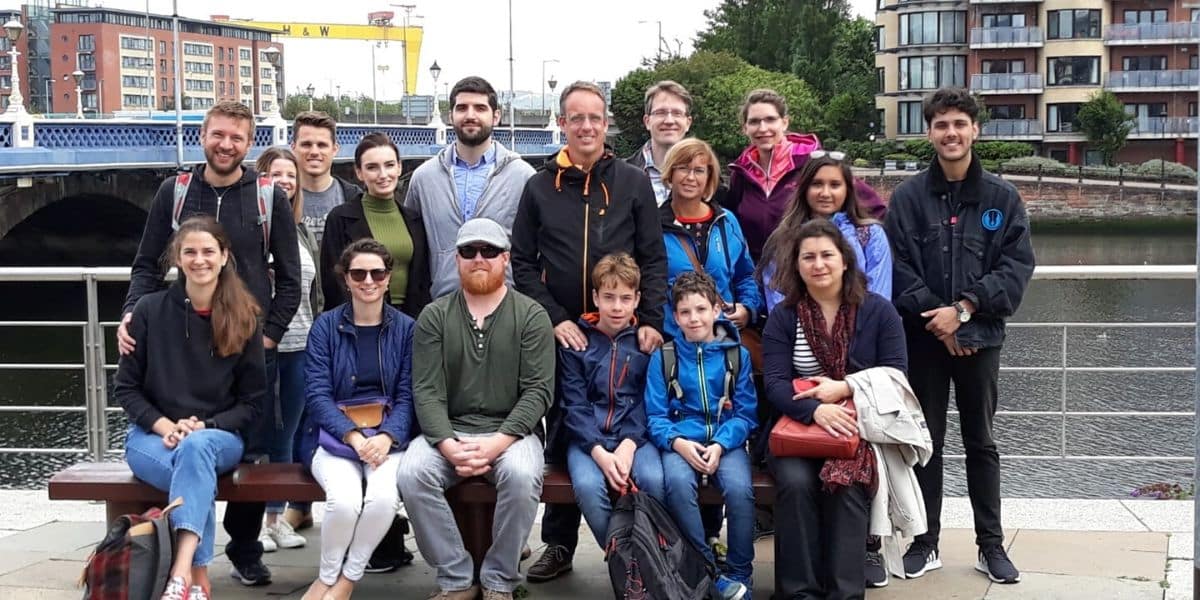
1122,442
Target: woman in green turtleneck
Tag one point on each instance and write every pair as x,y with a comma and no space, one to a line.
378,214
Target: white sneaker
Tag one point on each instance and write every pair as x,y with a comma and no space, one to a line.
265,539
284,536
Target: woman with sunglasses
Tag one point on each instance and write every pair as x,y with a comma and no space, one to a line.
378,213
826,191
701,236
359,377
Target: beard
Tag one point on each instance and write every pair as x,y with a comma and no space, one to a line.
481,282
211,157
485,132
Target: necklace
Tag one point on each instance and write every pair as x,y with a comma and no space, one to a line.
220,196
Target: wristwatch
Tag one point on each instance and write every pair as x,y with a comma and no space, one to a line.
963,315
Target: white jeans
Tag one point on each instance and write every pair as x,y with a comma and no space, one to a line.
354,522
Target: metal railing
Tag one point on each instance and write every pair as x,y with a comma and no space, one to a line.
95,365
1137,33
1006,36
1152,126
1007,128
1006,82
1169,79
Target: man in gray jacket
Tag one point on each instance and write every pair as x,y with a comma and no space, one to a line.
475,177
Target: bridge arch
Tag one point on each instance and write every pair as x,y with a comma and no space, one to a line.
135,187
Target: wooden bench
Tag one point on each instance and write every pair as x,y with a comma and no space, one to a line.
473,501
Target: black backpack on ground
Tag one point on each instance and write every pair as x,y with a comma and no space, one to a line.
648,558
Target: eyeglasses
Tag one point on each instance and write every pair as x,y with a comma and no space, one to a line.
697,172
768,121
578,120
662,113
835,155
488,251
360,275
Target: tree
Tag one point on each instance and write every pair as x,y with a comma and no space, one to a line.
1104,120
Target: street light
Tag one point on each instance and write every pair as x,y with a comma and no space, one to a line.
436,121
552,83
659,43
14,29
311,90
272,55
339,101
78,75
544,62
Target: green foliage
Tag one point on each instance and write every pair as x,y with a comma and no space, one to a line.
922,149
718,120
1104,120
1158,167
900,156
627,109
998,150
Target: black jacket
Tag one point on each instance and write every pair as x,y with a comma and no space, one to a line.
569,219
174,372
238,214
946,247
347,223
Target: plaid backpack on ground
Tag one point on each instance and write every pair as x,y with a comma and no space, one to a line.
648,559
133,560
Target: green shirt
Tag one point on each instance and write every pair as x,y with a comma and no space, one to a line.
482,380
388,228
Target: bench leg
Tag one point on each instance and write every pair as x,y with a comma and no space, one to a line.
475,525
114,509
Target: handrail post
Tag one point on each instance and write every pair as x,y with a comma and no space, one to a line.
94,378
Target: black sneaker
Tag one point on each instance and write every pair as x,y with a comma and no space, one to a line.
993,561
876,573
920,559
554,561
253,574
764,523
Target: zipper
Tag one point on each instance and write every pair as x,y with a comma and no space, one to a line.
612,399
703,393
624,371
583,281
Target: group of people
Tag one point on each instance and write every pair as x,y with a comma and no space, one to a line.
636,321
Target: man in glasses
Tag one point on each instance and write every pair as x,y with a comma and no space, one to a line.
585,204
476,176
483,377
963,257
668,118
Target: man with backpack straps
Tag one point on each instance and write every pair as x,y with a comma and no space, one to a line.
236,198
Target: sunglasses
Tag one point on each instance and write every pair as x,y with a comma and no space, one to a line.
488,251
360,275
835,155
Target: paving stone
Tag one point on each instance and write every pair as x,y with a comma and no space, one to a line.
1179,580
56,537
1181,546
46,574
14,560
1076,587
1163,515
29,593
1091,553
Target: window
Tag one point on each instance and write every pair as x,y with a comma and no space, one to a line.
931,72
880,4
1068,24
220,53
1007,111
1146,16
132,43
880,39
1195,14
135,62
221,87
1006,20
268,89
1194,62
197,49
1151,110
197,67
1003,66
164,84
265,72
244,53
879,80
86,61
5,82
162,48
246,71
197,85
1061,117
162,65
1192,109
946,27
133,100
911,119
221,71
5,63
90,100
1073,70
86,43
1144,63
135,81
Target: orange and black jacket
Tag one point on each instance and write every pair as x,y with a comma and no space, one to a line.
569,219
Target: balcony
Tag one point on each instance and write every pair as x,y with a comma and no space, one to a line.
1137,34
1007,83
1006,37
1005,1
1152,81
1012,129
1164,127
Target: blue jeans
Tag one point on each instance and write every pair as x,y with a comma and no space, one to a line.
291,405
591,488
733,479
188,471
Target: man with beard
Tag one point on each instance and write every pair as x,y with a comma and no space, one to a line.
475,177
483,377
582,206
227,191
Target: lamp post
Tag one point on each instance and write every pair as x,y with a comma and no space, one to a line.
383,69
436,121
14,29
338,99
544,63
273,58
274,118
408,8
552,83
311,90
49,98
78,76
658,43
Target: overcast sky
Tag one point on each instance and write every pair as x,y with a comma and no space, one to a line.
599,40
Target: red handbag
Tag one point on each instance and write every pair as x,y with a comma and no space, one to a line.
790,437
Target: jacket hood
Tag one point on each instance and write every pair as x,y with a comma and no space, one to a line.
567,170
726,335
800,146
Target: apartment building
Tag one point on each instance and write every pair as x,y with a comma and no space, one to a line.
1034,62
128,63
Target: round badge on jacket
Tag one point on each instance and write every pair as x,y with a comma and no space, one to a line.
992,219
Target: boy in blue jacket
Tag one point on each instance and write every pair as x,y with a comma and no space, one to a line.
700,411
601,388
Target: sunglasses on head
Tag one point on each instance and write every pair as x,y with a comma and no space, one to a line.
360,275
835,155
487,250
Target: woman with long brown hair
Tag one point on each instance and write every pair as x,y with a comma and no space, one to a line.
191,390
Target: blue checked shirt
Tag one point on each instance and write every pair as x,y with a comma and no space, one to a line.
469,180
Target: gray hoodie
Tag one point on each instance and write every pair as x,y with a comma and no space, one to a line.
432,193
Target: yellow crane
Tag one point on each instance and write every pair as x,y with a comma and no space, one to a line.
409,36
